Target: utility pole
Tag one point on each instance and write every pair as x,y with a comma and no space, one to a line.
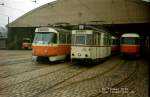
8,20
34,1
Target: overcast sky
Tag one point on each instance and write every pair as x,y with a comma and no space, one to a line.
16,8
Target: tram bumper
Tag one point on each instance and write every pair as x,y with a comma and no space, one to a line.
80,52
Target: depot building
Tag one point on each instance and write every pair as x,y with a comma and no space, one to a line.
119,15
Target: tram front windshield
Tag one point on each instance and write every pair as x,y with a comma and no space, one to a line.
45,38
81,39
27,41
130,40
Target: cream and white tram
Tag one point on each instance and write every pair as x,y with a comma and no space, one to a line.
51,42
90,44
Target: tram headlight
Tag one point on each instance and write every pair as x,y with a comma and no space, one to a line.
72,54
79,54
86,55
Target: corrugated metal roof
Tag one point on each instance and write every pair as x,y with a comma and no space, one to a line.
85,11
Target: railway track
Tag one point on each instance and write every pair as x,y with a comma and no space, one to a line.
70,84
36,85
42,83
15,61
12,70
87,88
120,89
141,84
94,75
31,75
7,53
128,78
13,57
64,79
135,85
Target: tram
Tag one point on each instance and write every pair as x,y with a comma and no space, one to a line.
130,44
51,42
114,45
90,43
27,43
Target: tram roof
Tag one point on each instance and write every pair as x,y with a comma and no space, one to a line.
92,27
50,29
114,37
130,35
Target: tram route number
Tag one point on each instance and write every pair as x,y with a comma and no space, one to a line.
117,91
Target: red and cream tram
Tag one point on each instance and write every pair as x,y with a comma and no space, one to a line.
51,42
27,43
114,45
130,44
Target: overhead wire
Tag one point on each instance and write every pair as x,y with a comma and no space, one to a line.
23,11
5,4
35,1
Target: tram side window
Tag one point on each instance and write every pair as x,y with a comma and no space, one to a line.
80,39
62,38
97,38
109,40
101,39
94,38
114,41
65,38
68,38
73,39
105,39
89,39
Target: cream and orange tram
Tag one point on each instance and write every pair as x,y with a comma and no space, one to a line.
90,43
51,42
130,44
